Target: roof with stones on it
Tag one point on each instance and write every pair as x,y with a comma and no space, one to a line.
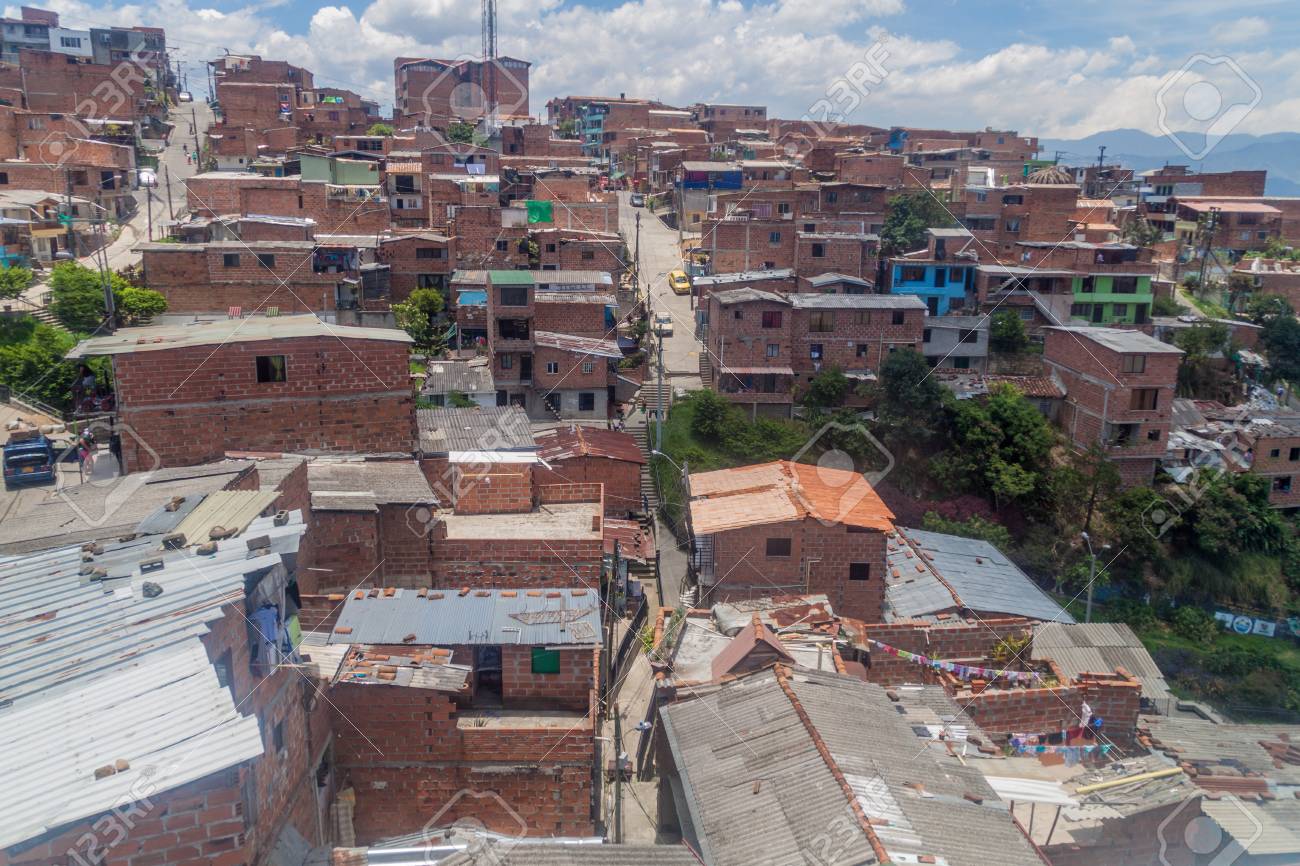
576,440
429,668
364,485
782,491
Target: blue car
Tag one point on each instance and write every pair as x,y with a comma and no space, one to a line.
28,461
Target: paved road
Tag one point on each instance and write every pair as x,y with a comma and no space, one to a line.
659,255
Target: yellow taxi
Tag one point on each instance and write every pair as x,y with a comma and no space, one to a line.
679,283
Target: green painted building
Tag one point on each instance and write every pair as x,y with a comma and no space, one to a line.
339,170
1112,299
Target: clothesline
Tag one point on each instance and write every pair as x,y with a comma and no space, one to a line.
963,671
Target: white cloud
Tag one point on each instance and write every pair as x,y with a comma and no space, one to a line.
787,54
1241,30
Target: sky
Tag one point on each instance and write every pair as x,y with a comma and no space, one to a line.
1042,67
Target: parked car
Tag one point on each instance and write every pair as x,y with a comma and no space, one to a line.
638,199
679,283
664,324
28,460
184,96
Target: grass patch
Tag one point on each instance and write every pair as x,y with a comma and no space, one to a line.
1208,308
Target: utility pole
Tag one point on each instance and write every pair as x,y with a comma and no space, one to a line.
659,393
194,125
1208,230
618,777
1101,156
167,178
636,256
148,209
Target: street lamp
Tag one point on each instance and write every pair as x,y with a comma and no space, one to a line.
1092,572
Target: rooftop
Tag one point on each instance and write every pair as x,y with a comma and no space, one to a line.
444,618
1098,647
575,440
468,377
416,669
363,485
767,795
552,522
747,295
587,346
1120,340
219,332
783,491
831,279
496,428
812,301
930,573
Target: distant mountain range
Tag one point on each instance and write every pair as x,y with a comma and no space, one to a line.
1277,152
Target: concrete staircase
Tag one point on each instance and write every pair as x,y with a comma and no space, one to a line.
706,371
650,494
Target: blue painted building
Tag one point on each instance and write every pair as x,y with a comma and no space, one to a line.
944,286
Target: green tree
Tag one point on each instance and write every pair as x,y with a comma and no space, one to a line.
384,129
1200,343
1165,307
1000,445
827,389
1280,341
972,527
906,219
712,411
566,128
459,132
14,281
459,400
1141,233
1262,309
77,298
32,360
1007,333
909,395
415,315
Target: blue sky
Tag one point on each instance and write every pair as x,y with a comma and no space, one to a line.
1044,68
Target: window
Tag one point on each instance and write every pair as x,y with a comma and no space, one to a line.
277,737
512,296
552,367
428,253
862,317
861,350
1276,452
832,196
230,260
778,547
545,661
819,251
1124,285
1144,399
783,207
1012,226
270,368
774,237
1081,311
550,248
507,361
773,350
859,571
588,366
1282,484
961,363
969,335
815,352
940,277
1295,454
1013,199
898,317
913,274
771,318
588,255
586,401
501,246
1153,435
925,335
1135,364
738,314
70,41
222,669
821,321
266,260
1119,311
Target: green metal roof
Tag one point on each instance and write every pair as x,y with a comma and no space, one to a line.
511,278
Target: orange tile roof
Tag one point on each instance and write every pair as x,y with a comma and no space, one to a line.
777,492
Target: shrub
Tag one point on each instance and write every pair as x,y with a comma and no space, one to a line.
1194,624
710,419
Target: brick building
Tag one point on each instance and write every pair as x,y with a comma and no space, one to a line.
503,684
434,93
1119,391
335,208
584,455
419,260
173,663
1000,215
763,346
1272,277
189,393
783,527
1240,225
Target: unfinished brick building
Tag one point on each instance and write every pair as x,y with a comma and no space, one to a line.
1119,391
434,93
781,528
503,684
190,393
585,455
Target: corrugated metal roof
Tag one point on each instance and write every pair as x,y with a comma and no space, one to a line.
811,301
1120,340
468,377
758,788
1100,647
494,428
743,277
575,440
229,510
362,485
98,672
593,346
747,294
417,670
535,617
930,572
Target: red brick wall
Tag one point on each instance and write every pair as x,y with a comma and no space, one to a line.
191,405
194,279
581,319
499,488
507,563
1114,698
413,765
851,256
974,640
747,245
341,549
621,479
874,329
569,689
54,84
818,563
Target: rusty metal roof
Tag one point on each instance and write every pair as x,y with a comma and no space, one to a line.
777,492
575,440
